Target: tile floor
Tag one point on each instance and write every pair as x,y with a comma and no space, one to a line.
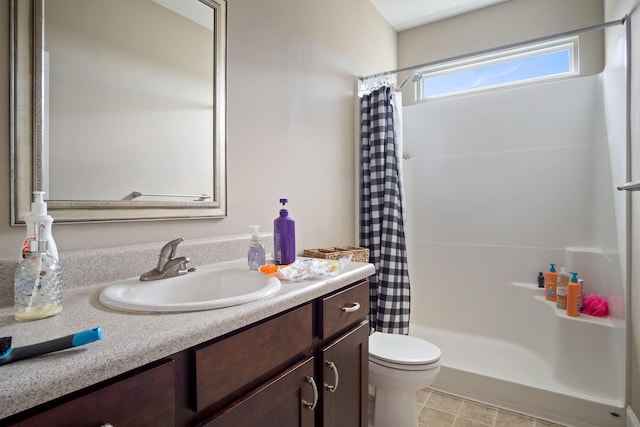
437,409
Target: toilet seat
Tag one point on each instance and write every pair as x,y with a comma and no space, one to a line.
403,352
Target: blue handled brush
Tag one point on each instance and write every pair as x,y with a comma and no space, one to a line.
9,354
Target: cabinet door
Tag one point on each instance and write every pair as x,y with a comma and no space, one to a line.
144,399
345,379
290,400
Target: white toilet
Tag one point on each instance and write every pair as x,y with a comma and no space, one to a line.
399,366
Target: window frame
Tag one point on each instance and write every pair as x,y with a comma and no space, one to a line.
570,43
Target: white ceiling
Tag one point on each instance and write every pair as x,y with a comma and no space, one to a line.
405,14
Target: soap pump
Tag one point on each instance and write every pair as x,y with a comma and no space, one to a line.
37,215
37,290
284,237
255,255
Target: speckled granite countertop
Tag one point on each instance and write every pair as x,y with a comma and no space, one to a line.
130,339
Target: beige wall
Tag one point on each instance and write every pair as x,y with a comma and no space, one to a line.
499,25
292,67
615,9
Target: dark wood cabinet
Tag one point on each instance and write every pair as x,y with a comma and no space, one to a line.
229,368
305,367
289,399
339,368
145,398
345,380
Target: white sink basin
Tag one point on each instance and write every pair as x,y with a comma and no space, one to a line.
204,289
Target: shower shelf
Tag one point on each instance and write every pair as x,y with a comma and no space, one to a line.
604,321
538,294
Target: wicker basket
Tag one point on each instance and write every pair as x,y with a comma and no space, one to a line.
358,254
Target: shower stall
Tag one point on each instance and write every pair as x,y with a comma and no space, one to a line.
498,185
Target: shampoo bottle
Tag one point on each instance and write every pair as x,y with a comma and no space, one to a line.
573,296
550,282
581,299
37,290
541,280
38,215
561,289
284,237
255,255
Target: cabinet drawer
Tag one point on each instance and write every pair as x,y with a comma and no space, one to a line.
343,309
231,367
143,399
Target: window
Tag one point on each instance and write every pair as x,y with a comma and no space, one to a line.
542,61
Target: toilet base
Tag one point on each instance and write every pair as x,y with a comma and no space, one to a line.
393,408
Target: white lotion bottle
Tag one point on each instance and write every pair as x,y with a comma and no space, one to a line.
38,215
256,254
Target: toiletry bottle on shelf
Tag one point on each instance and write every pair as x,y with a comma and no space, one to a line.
255,255
581,298
37,290
541,280
550,282
573,296
561,289
37,215
284,237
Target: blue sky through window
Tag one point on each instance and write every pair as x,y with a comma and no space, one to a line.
511,71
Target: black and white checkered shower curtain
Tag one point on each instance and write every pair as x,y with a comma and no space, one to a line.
381,216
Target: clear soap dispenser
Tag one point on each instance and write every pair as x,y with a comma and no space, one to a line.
37,290
256,255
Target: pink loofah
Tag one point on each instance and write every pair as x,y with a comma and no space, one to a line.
595,305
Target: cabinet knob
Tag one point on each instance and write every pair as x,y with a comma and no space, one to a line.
311,406
334,387
354,307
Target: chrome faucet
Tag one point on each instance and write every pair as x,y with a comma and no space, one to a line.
168,264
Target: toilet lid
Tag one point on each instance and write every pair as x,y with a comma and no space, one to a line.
402,349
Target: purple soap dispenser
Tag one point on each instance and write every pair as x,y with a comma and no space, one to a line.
284,237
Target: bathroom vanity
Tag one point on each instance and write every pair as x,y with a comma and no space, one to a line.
298,358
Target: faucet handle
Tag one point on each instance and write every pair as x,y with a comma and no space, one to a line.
177,267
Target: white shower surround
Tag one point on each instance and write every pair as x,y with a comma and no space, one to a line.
498,185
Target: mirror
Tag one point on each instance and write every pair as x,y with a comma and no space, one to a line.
118,108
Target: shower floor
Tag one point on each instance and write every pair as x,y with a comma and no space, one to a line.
513,377
500,360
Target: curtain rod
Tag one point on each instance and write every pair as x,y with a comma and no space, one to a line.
497,49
